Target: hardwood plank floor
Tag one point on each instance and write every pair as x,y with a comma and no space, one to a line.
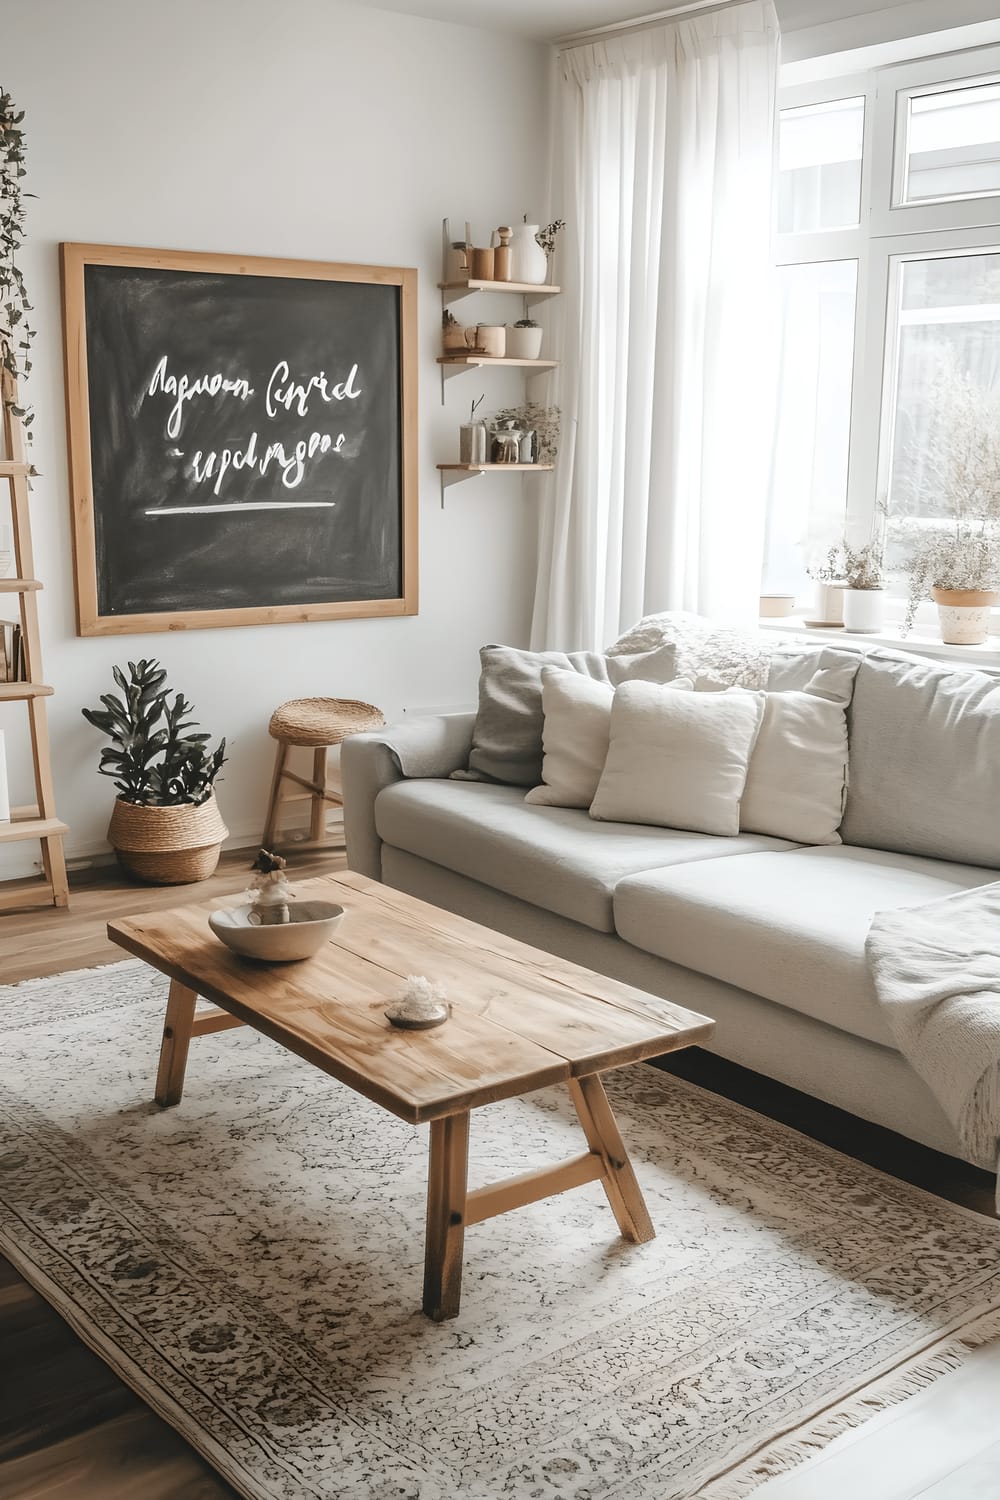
70,1430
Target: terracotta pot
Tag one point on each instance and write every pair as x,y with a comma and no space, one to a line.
964,614
168,845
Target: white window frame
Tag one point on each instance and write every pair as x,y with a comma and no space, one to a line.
889,232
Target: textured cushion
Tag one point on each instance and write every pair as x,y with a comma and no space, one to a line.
797,778
507,738
553,857
734,658
575,736
925,761
678,760
791,928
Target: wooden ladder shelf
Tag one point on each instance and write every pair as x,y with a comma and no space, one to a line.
38,821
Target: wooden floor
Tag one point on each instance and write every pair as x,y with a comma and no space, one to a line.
69,1430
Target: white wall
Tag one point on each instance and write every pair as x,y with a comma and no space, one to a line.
310,128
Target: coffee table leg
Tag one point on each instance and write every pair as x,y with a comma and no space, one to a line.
446,1189
176,1040
603,1136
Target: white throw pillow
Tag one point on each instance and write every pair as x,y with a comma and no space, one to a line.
678,760
575,736
797,782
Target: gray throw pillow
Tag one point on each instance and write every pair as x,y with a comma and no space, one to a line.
924,761
507,737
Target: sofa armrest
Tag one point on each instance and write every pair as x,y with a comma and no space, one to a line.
430,747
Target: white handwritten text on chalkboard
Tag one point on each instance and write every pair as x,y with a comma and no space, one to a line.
283,394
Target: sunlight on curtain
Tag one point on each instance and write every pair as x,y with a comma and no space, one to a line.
665,329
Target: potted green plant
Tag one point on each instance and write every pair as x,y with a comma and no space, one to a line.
954,559
166,827
524,339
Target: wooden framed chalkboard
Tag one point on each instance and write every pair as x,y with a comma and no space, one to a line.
242,437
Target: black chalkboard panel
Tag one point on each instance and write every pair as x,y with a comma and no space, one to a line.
243,442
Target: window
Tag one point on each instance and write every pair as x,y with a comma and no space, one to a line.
888,249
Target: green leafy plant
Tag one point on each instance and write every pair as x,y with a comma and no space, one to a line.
16,333
153,758
527,323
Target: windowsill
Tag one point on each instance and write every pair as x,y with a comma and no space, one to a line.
920,641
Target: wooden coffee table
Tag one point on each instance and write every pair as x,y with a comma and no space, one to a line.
521,1020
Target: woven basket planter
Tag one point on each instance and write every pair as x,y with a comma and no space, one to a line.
168,845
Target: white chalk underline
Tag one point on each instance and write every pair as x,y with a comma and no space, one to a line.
197,510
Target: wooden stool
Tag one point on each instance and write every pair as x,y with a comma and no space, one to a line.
315,724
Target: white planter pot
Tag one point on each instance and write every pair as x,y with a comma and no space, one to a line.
864,610
964,615
829,603
528,261
524,343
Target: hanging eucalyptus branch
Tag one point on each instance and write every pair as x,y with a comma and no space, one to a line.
16,333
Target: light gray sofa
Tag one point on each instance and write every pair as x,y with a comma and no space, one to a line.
765,936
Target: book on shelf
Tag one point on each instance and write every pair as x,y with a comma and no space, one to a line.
12,662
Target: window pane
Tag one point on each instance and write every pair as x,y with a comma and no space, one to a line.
808,497
946,420
819,166
953,144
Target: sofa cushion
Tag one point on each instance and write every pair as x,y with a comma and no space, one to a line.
507,736
678,760
790,928
924,761
576,736
554,857
797,779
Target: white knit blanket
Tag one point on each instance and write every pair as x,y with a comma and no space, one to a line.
937,975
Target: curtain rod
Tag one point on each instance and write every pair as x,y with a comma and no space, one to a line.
641,23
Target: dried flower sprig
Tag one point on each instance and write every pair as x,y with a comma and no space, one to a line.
542,420
961,475
547,237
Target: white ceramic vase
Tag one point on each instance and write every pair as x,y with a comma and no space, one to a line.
829,603
964,614
864,610
528,261
523,343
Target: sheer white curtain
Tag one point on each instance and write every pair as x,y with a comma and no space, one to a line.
664,167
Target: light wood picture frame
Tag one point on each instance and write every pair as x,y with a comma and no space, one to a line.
205,395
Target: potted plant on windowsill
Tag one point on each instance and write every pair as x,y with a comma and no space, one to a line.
858,575
864,594
953,540
166,827
828,577
958,566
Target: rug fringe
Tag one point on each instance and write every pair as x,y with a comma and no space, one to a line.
891,1389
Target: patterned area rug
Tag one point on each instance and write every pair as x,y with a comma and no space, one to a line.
251,1263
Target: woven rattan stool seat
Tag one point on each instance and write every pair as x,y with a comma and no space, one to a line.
322,721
